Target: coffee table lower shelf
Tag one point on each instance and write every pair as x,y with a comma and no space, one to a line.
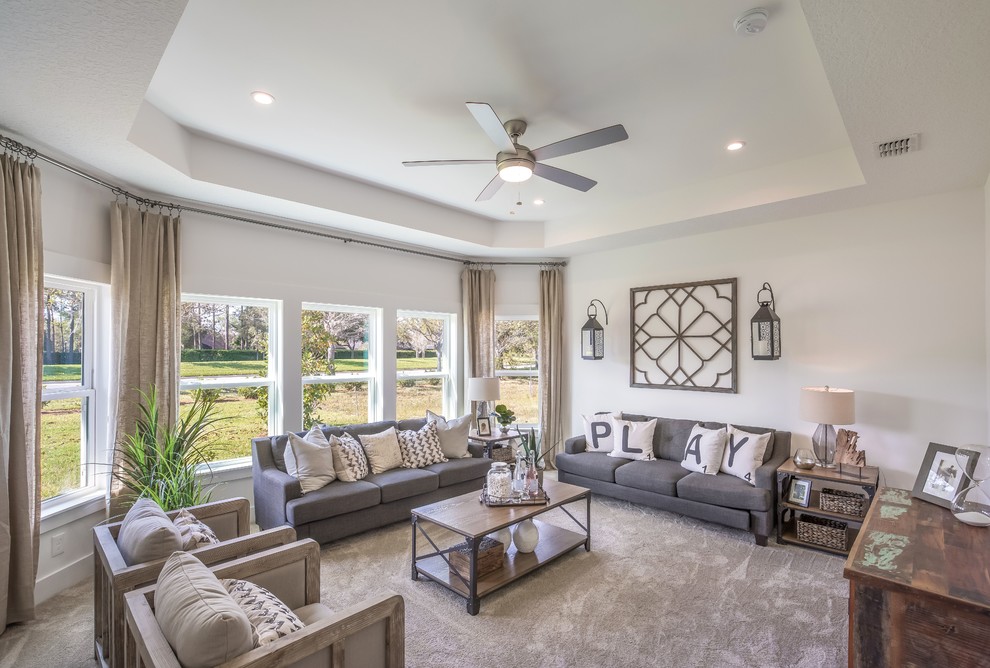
554,542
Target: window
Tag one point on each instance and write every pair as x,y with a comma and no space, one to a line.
516,345
226,346
340,364
69,401
424,379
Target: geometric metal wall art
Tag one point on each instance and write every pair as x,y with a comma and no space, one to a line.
683,336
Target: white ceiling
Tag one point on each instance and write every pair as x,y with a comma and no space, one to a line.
155,94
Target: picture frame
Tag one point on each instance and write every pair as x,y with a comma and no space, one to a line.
484,428
941,476
800,492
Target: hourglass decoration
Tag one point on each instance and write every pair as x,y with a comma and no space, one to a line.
972,504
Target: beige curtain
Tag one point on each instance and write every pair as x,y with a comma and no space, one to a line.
478,299
146,297
22,286
551,359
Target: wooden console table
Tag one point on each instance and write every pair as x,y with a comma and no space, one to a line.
919,587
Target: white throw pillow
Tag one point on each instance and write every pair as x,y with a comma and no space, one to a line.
349,459
421,448
744,453
382,450
453,434
309,459
147,534
633,440
598,433
704,450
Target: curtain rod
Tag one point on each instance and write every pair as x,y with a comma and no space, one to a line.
13,146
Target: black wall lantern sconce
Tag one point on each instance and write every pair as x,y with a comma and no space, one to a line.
765,328
593,334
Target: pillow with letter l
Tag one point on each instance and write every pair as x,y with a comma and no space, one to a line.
704,450
633,440
744,453
598,434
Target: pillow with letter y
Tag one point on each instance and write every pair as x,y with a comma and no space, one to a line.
633,440
744,453
598,434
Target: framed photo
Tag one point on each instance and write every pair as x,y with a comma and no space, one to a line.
941,476
800,492
484,428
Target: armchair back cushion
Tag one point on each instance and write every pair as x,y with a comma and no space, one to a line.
147,534
201,622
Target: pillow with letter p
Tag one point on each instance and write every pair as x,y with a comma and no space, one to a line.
744,453
703,453
633,440
598,434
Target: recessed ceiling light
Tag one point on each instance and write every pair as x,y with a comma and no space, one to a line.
261,97
735,145
539,202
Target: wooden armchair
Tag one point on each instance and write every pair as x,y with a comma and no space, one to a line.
370,634
230,521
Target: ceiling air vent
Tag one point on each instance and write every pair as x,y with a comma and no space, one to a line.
900,146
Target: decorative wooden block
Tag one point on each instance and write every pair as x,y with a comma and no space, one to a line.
845,449
490,555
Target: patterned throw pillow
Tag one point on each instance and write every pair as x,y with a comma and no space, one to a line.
382,450
349,459
703,453
194,533
421,448
270,618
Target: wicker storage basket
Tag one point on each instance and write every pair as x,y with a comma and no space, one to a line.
822,531
842,501
506,453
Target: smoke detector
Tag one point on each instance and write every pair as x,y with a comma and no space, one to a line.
899,146
752,22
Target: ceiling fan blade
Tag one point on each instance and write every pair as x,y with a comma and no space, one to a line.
588,140
490,189
564,177
433,163
488,120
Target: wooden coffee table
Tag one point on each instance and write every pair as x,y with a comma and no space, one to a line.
466,516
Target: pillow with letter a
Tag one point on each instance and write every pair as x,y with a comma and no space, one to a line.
744,453
598,434
704,450
633,440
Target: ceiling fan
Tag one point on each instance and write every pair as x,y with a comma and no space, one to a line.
516,163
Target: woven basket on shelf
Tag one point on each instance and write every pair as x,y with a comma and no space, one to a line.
822,531
503,454
842,501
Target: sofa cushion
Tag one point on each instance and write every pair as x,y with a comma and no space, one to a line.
460,470
356,430
669,438
337,498
723,490
590,465
147,534
403,483
659,476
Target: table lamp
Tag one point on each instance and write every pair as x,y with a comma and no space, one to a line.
482,390
827,406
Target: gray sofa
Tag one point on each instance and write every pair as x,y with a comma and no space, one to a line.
665,484
344,508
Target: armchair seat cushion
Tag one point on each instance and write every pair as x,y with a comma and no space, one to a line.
460,470
590,465
724,490
659,476
403,483
337,498
312,613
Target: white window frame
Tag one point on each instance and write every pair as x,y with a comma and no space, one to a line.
92,389
373,376
527,373
448,376
233,382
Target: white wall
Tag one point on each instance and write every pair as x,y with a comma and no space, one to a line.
887,300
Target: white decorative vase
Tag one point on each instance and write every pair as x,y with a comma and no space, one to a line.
503,536
526,536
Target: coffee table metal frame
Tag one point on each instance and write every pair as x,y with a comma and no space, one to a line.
466,516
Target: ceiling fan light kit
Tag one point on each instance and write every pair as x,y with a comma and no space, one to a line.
515,163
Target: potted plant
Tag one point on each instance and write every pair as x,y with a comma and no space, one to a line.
504,416
161,461
531,446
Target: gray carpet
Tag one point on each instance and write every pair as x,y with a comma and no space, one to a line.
656,590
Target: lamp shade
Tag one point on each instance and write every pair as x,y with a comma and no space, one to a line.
482,389
828,405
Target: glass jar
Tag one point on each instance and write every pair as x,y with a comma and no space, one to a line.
499,482
804,459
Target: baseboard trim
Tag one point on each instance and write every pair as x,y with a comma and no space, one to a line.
63,578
